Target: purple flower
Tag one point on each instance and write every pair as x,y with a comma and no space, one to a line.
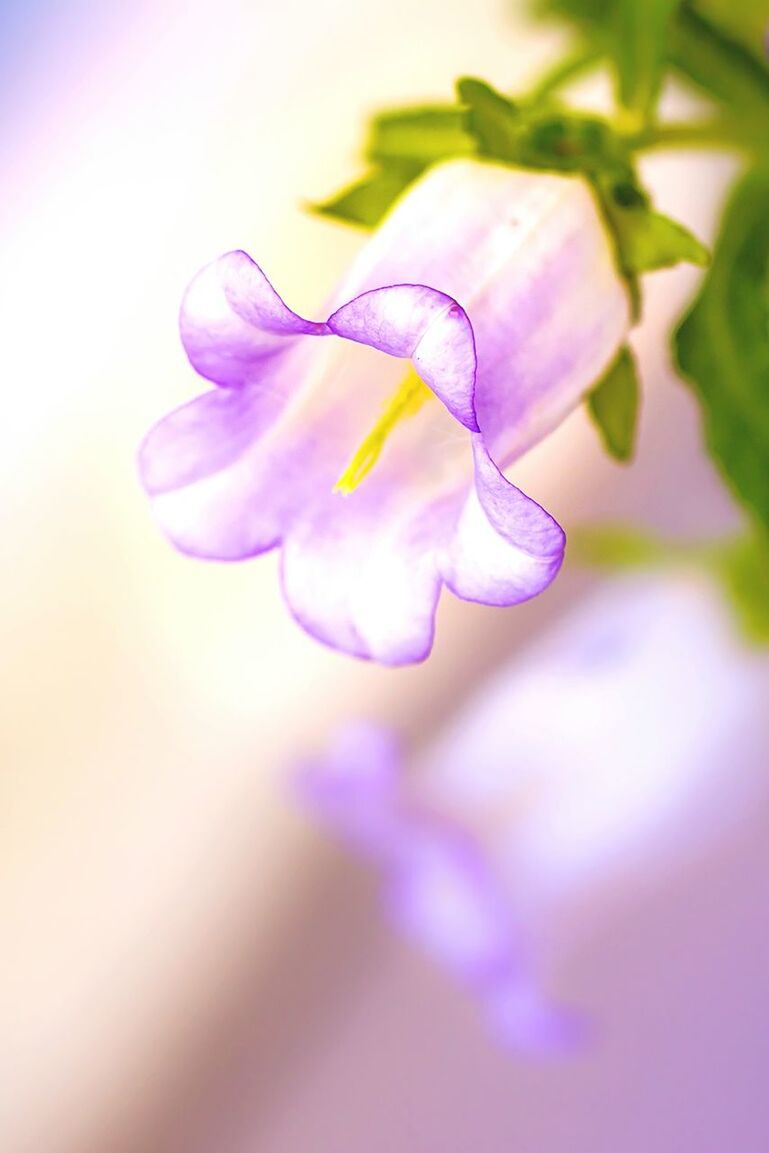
499,286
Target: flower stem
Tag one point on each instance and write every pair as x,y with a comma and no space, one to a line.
718,134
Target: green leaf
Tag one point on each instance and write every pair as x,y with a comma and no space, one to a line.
722,346
613,405
420,134
744,21
367,201
721,66
640,43
717,44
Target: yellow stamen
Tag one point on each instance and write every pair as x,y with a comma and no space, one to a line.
407,401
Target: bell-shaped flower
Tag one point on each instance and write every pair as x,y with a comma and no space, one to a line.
380,486
624,744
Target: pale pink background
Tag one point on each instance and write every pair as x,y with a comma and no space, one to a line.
185,964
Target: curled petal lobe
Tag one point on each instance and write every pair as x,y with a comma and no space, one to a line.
428,326
506,548
232,320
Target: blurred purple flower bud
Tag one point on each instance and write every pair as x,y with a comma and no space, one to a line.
630,737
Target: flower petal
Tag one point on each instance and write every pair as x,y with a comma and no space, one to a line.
232,320
428,326
506,548
361,575
203,437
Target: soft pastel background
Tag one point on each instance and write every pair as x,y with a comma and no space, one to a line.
185,964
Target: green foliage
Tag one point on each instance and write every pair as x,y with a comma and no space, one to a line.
723,67
744,21
559,140
722,346
634,35
613,405
717,44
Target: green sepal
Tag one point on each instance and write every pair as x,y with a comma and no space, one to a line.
648,240
613,405
368,200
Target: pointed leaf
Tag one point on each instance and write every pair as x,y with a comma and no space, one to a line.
722,66
367,201
723,346
649,241
613,405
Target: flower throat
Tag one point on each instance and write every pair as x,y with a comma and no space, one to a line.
405,402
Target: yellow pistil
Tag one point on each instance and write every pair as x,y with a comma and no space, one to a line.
411,395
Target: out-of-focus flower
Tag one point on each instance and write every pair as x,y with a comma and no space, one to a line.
627,739
500,287
442,890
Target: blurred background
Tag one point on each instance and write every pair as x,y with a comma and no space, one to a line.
187,962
